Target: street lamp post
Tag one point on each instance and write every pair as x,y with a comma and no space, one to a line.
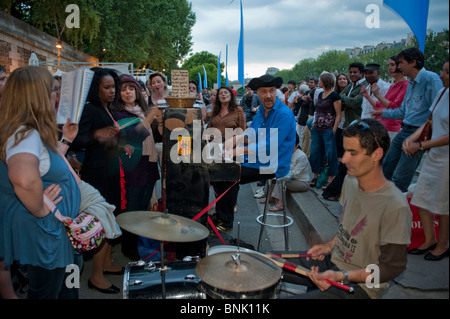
59,47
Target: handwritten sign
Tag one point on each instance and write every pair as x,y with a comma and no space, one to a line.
180,83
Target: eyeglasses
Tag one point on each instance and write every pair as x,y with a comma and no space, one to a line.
363,126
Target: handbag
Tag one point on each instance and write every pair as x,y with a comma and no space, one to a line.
85,231
425,135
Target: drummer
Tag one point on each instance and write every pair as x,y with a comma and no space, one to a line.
375,228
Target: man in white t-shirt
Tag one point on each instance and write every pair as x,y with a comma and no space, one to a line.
372,76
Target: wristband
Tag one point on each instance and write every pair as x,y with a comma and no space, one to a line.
64,141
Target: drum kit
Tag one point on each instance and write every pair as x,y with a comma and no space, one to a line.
226,272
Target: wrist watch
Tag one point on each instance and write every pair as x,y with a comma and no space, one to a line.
345,280
64,141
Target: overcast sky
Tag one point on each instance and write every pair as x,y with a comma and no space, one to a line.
280,33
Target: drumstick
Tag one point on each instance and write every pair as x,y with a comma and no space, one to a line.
285,264
288,255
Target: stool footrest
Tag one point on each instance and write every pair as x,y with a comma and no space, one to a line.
291,221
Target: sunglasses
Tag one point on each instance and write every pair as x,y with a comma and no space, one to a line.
363,126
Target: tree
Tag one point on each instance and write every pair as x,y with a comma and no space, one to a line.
195,65
151,33
436,50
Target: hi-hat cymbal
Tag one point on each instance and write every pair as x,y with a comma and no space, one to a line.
254,272
161,226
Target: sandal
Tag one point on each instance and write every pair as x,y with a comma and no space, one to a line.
313,182
324,186
276,208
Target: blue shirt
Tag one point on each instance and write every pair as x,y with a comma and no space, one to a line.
420,94
279,125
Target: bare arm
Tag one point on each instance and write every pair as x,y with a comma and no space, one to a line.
23,172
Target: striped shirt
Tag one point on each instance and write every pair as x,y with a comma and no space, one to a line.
233,120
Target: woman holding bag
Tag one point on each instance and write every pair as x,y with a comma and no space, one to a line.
30,163
431,192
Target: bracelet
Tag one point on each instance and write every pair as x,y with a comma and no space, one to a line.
345,280
420,146
64,141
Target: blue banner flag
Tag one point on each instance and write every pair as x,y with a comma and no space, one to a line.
241,51
205,78
226,68
219,74
199,82
415,14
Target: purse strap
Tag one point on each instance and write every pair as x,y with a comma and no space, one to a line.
53,209
437,102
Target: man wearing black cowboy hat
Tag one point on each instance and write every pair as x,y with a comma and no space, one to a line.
266,147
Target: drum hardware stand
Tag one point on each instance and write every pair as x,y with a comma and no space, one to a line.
163,269
192,258
237,257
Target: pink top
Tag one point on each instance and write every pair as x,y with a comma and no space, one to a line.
395,96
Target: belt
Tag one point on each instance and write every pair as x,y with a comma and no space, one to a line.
410,127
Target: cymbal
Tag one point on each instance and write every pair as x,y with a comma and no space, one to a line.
161,226
253,273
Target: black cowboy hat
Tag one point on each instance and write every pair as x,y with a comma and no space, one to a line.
372,67
265,81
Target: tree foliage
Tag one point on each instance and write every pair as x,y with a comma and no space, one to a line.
195,65
151,33
436,52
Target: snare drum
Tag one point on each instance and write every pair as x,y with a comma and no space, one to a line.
142,280
269,290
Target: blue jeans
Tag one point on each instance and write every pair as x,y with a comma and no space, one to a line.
397,166
323,143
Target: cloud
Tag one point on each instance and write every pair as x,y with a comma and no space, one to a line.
281,33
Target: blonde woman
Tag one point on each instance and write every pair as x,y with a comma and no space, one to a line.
29,163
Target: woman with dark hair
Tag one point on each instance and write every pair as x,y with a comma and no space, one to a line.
393,98
195,92
137,151
98,137
342,81
226,115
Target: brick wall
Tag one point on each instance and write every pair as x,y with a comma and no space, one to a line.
18,40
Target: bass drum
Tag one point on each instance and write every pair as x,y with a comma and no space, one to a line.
142,280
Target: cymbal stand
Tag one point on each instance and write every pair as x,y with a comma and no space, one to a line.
163,268
163,271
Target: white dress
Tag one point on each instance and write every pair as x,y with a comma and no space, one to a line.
431,191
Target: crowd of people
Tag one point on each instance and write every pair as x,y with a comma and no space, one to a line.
361,131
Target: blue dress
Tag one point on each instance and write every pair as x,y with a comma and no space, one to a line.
37,241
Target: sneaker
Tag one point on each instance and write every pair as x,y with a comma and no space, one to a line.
259,195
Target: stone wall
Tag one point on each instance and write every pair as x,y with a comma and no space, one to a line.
18,40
